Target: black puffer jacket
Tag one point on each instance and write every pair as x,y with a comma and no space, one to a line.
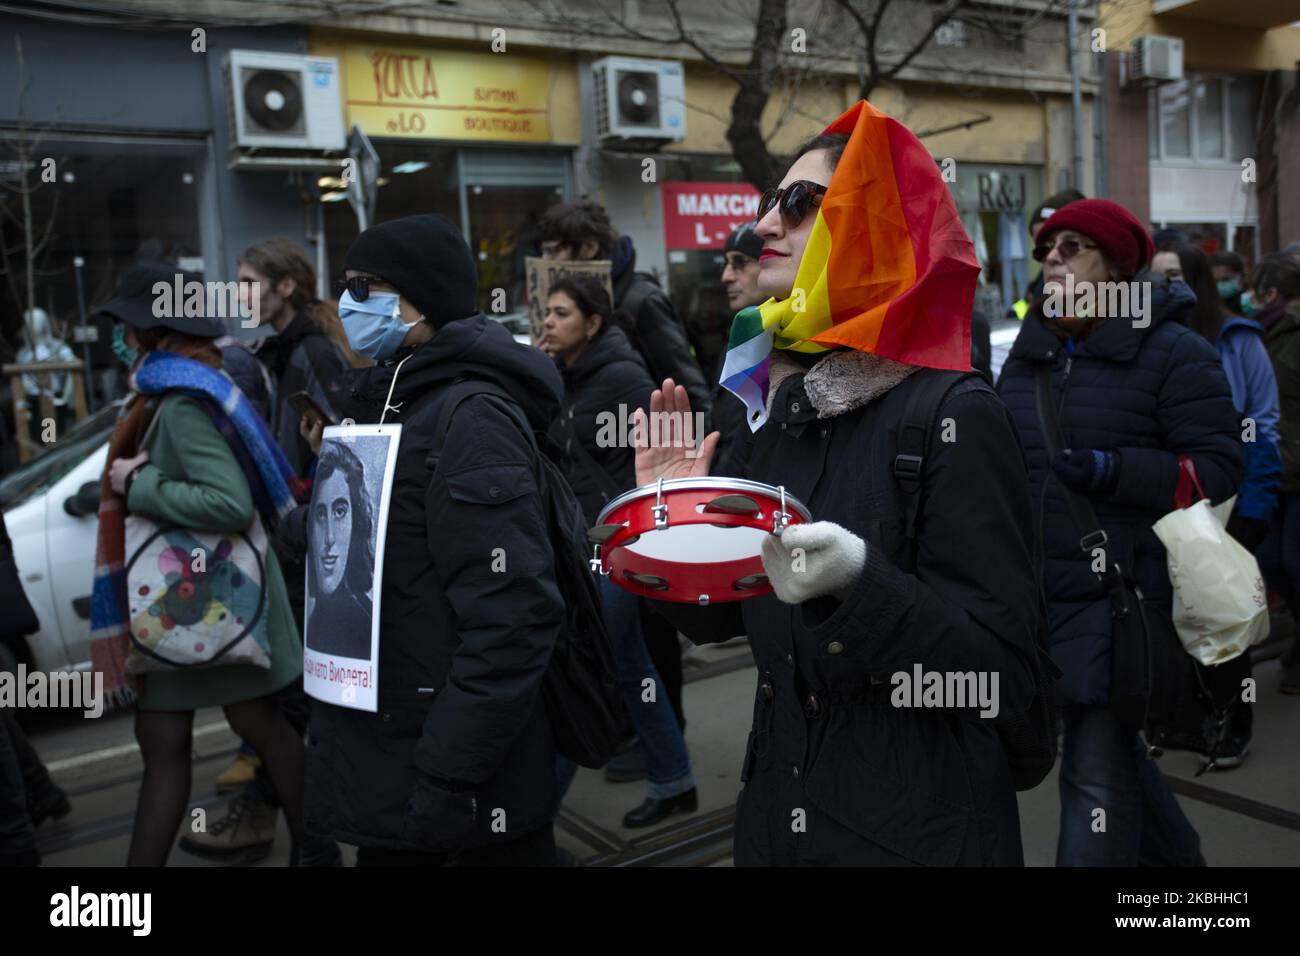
879,784
602,389
1151,394
464,639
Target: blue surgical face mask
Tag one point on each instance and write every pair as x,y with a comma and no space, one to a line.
125,354
1249,306
1228,288
373,327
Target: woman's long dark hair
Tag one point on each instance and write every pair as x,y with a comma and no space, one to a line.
358,575
1208,314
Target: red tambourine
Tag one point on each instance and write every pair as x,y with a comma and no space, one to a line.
692,540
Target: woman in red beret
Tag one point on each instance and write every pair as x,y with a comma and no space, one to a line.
1134,389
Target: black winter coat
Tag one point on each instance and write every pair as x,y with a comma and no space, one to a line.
464,640
602,389
302,358
656,331
883,784
1282,338
1151,394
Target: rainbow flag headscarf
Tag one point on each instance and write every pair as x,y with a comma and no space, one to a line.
888,268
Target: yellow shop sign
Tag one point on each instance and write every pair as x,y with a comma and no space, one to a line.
427,93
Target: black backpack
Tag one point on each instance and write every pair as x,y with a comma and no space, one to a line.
580,691
1028,738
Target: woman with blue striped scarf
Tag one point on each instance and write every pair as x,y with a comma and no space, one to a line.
190,451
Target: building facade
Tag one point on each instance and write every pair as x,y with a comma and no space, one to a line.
485,115
1207,152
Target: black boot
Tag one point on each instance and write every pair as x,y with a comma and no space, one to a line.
315,851
652,811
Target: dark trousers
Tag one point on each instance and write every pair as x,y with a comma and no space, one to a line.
16,834
36,779
534,849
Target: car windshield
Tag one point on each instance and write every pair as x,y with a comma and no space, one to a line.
68,452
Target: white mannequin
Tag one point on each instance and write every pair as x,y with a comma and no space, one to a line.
41,345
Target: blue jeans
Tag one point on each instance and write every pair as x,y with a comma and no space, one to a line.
668,767
1279,554
1104,767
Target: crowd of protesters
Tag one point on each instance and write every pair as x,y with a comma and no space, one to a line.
985,575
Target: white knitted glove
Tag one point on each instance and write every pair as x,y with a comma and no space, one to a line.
811,560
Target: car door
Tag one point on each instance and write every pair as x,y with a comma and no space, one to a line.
26,526
71,549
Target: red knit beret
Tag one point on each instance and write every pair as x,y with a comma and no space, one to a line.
1121,237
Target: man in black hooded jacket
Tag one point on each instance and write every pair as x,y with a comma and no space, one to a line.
459,761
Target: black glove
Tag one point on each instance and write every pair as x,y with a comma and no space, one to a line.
441,815
1087,471
1249,532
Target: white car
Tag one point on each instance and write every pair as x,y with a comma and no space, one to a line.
51,511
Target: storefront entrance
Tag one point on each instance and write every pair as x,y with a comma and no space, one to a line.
495,197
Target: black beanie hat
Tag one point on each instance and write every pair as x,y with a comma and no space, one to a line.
745,240
426,259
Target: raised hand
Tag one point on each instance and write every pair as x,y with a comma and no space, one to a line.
667,445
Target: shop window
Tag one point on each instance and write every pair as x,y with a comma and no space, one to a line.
695,276
1243,105
414,178
1175,120
110,205
995,203
1221,128
1209,119
503,233
495,197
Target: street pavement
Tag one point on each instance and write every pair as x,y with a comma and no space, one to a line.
1249,816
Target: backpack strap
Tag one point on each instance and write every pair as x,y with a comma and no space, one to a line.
925,398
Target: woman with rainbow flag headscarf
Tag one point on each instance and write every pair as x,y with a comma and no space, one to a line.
871,280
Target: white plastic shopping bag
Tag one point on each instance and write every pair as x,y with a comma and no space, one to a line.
1220,608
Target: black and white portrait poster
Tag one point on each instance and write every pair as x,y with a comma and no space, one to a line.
345,563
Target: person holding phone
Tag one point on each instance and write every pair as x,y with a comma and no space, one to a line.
307,351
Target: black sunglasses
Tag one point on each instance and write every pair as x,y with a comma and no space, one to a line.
359,286
1068,248
796,200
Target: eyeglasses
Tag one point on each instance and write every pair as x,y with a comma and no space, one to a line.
796,200
1068,248
359,286
739,261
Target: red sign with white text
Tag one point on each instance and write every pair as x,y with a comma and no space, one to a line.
702,215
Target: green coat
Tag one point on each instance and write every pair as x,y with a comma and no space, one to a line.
1282,339
193,480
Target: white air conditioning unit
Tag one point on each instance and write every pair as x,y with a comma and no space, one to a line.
639,100
284,101
1157,58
